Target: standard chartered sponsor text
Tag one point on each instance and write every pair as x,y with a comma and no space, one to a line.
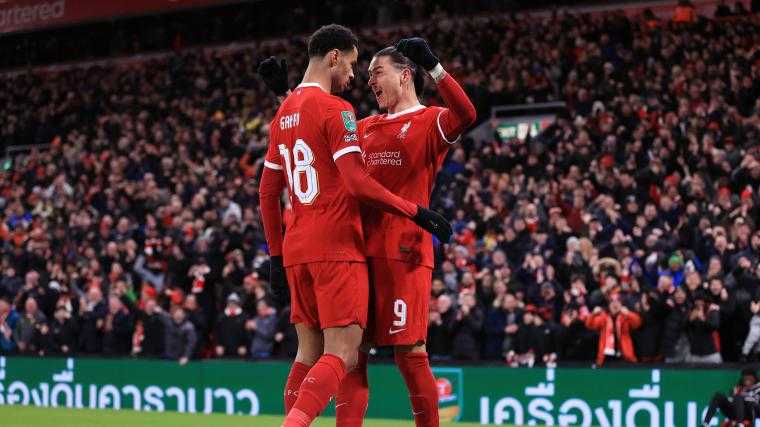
16,15
391,158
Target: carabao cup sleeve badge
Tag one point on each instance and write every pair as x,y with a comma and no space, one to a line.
349,121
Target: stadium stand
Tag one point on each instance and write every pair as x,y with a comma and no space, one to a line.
627,230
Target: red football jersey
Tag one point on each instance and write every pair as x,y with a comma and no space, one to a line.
310,131
403,152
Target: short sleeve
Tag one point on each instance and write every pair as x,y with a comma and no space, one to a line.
341,129
272,160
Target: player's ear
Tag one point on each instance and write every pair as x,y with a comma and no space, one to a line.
333,57
406,75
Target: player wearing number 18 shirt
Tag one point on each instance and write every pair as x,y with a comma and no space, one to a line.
314,145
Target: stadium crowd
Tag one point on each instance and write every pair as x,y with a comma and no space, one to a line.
627,230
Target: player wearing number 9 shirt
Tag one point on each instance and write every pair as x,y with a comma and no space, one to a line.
403,150
314,145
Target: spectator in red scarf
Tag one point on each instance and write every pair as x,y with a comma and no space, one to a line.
614,326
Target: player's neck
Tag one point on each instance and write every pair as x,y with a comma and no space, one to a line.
315,73
404,103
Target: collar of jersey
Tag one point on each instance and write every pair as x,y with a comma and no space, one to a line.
311,84
402,112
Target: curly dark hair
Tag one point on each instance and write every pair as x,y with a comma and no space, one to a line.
329,37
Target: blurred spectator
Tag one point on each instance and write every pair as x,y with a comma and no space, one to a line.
180,336
440,327
466,328
231,335
615,326
285,337
92,312
501,327
675,342
536,341
8,320
152,336
29,327
685,13
263,327
196,316
751,347
62,338
118,327
703,323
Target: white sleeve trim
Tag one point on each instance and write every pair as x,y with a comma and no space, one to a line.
342,151
271,165
440,130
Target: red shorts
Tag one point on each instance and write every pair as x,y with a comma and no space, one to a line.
328,294
399,302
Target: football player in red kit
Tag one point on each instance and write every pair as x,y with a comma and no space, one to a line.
314,149
403,150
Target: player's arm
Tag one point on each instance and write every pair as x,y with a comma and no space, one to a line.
270,189
362,186
367,190
460,113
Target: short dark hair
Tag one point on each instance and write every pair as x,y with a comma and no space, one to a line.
402,61
329,37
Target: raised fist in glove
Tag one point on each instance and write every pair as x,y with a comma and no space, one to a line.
275,75
434,223
418,50
278,283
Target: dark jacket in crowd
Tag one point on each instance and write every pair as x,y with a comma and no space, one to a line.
154,334
230,333
439,337
497,341
63,336
289,345
703,339
200,324
27,333
117,337
466,330
262,343
647,337
180,338
91,336
577,342
673,327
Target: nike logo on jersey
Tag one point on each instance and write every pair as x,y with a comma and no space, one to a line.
392,331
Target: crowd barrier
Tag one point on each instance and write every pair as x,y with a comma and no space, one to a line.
487,394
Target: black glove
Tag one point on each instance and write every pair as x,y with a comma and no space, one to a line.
434,223
275,75
418,50
278,283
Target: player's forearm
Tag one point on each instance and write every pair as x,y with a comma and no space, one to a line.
367,190
460,113
271,213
